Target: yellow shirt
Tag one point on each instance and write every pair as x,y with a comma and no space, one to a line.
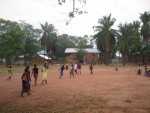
44,73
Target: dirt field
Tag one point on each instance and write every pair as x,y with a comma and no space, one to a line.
106,91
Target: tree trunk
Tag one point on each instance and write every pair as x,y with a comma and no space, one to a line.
125,59
106,58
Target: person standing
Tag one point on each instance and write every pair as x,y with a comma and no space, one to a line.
10,72
61,71
91,68
79,68
26,81
75,68
35,74
72,71
44,74
139,70
66,67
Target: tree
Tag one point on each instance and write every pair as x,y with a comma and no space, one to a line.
129,40
145,31
105,37
63,41
10,40
30,41
49,38
80,55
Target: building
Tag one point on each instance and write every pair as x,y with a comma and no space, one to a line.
91,55
41,57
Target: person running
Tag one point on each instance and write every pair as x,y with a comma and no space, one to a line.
75,69
91,68
26,80
44,74
61,71
72,71
35,74
79,68
10,72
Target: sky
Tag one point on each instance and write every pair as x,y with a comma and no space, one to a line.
37,12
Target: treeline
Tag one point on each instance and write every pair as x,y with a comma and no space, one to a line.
22,39
131,40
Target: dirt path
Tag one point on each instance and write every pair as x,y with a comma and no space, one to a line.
106,91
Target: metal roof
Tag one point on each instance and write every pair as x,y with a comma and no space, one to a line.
71,50
45,57
87,50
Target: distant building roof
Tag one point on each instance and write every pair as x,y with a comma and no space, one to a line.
71,50
92,50
45,57
87,50
42,52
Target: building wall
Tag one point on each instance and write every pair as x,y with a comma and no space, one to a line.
91,58
88,58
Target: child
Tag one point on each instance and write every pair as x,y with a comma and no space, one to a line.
66,67
75,68
139,70
10,72
72,71
44,74
79,68
35,74
26,81
61,71
91,68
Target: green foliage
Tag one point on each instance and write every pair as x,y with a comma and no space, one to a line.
145,30
49,38
64,41
129,40
105,37
11,41
17,39
80,54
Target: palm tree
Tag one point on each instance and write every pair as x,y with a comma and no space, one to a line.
49,38
129,42
105,37
145,30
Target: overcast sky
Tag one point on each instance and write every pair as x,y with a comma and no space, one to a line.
39,11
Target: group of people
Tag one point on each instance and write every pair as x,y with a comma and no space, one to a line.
74,69
26,77
146,70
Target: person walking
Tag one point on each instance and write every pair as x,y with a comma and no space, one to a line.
91,68
61,71
79,68
72,71
75,68
35,74
26,81
44,74
10,72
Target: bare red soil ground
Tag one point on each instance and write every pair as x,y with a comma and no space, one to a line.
106,91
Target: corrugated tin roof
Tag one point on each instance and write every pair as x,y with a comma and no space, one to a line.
71,50
92,50
45,57
88,50
42,52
